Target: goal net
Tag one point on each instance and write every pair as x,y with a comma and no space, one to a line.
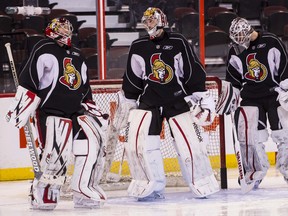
117,176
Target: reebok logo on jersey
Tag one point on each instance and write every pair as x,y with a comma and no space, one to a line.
261,46
167,47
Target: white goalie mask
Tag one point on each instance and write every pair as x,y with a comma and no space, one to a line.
240,32
154,20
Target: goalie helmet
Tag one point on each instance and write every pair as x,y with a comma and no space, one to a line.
60,30
154,20
240,32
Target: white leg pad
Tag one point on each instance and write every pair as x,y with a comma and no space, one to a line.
144,156
57,151
192,155
255,160
280,137
89,165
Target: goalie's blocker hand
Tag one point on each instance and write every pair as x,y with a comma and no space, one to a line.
202,107
94,111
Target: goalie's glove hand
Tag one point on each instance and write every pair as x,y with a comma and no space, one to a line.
228,100
123,110
94,111
282,95
202,107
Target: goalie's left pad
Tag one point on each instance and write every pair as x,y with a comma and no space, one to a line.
228,100
23,106
195,165
89,164
202,107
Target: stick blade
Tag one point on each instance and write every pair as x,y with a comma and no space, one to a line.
245,188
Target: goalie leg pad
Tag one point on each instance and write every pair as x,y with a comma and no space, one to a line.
23,106
281,138
192,155
57,151
144,156
45,192
89,165
255,160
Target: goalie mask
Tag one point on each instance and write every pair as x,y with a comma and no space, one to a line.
60,30
154,20
240,32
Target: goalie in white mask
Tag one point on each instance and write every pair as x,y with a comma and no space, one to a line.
54,84
167,80
257,63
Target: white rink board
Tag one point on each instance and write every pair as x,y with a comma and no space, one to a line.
11,156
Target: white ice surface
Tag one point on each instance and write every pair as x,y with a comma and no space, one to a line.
271,199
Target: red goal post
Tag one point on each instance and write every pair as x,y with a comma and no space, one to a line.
104,93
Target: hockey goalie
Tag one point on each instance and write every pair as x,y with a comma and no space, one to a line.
54,89
164,79
256,66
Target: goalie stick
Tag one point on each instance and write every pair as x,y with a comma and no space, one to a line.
31,145
245,187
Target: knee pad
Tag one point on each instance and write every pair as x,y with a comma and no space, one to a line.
195,165
144,156
89,161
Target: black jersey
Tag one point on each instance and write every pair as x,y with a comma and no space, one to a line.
258,69
58,76
162,70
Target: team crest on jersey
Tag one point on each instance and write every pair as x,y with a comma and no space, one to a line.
256,71
71,77
161,72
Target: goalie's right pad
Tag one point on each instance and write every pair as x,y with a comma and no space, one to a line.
57,151
89,164
144,156
228,100
23,106
195,165
123,109
45,192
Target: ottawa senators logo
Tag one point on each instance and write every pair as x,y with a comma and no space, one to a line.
256,71
71,77
161,72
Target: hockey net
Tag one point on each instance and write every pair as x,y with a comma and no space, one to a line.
118,176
